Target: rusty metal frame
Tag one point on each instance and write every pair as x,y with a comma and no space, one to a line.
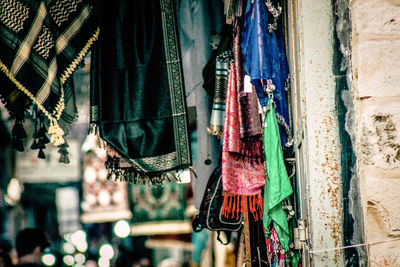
316,133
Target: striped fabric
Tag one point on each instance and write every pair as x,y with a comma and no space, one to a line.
216,126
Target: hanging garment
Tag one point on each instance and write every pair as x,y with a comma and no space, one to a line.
277,184
41,44
138,98
216,126
197,20
242,180
249,119
258,245
265,59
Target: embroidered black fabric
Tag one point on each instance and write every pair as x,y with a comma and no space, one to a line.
137,86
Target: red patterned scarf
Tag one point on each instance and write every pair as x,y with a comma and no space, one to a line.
242,180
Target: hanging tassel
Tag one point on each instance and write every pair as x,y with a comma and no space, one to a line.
64,159
45,139
233,206
230,204
34,145
225,204
63,151
42,134
18,130
56,133
237,206
18,144
41,144
41,154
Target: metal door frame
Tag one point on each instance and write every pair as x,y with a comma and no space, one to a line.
315,129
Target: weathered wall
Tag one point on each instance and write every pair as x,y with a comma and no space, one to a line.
376,86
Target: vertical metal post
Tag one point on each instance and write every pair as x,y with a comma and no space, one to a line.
315,123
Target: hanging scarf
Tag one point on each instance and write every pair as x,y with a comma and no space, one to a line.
277,185
265,60
216,126
41,44
138,99
242,180
249,118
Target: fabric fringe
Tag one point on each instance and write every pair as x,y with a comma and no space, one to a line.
252,150
117,171
234,205
18,135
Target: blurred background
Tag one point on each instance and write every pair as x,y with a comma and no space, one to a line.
90,219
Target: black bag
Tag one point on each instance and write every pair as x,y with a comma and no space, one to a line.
210,216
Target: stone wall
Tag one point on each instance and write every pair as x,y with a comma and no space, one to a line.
375,63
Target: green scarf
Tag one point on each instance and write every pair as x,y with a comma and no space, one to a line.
277,184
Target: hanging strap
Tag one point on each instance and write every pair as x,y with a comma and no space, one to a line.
228,235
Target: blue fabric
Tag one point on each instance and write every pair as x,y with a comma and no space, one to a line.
199,241
265,59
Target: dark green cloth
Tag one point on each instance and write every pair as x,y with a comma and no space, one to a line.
138,98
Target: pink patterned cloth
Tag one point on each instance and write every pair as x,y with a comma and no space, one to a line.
239,178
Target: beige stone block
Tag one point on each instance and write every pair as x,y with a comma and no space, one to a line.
383,208
385,254
377,65
381,17
378,134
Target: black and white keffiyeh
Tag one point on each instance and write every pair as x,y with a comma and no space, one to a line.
41,44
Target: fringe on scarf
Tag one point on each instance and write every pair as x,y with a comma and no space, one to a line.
235,204
252,150
119,170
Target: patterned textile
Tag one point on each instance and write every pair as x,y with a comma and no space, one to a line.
277,185
41,44
265,59
249,119
158,203
138,98
216,126
242,180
